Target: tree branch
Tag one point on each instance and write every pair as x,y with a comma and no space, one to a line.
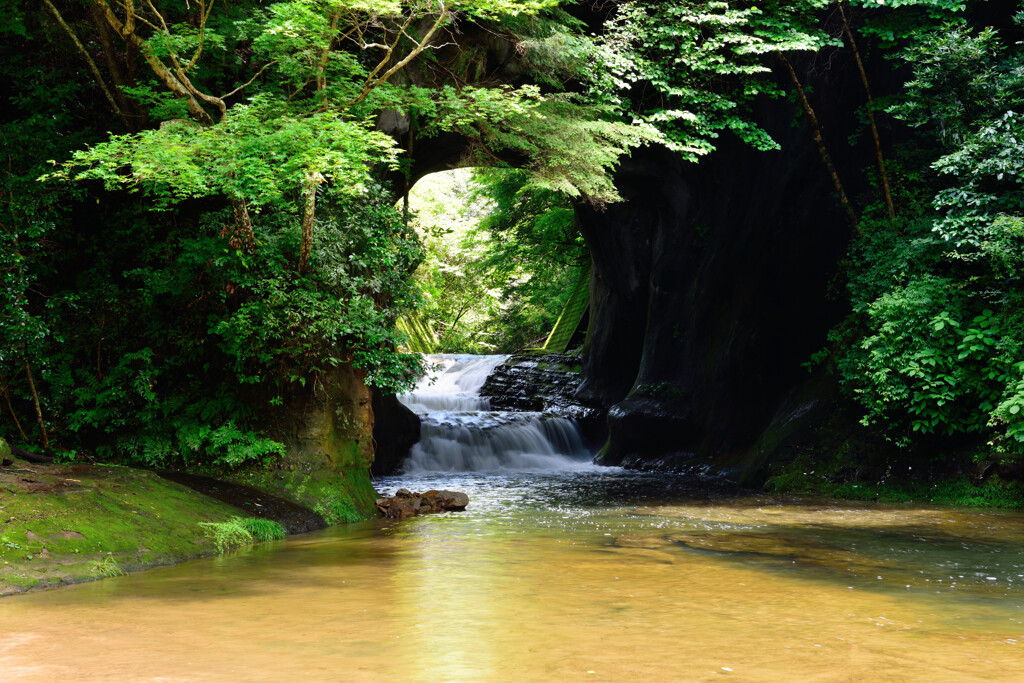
204,14
871,116
39,410
812,118
127,31
372,83
325,56
88,60
249,82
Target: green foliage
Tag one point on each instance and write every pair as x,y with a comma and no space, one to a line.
229,534
959,491
106,568
572,145
239,531
261,153
937,337
264,529
343,311
706,63
498,271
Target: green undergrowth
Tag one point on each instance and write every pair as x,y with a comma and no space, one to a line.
239,531
801,477
341,497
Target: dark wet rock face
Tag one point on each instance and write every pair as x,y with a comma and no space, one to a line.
405,503
710,288
543,383
395,430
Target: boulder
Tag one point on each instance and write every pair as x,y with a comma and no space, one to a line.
405,503
443,501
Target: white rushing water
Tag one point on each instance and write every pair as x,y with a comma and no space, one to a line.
460,432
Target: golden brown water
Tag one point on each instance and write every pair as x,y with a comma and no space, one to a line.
606,576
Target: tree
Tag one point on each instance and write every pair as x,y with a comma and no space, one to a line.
939,330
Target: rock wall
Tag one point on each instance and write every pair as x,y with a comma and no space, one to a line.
545,383
395,430
328,424
710,287
327,430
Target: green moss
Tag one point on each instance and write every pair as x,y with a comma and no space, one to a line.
339,497
63,524
561,367
801,477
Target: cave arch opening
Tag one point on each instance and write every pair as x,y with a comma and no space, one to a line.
502,258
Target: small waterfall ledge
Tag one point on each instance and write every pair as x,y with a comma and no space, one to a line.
461,432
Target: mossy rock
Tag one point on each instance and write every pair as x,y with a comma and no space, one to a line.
340,497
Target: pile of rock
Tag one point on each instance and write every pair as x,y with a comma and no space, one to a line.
542,383
405,503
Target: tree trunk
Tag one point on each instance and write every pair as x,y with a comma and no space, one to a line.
819,141
243,226
135,120
313,180
10,407
88,62
871,117
39,410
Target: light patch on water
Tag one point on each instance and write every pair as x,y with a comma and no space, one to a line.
550,576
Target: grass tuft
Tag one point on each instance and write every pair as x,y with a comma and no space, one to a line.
106,567
239,531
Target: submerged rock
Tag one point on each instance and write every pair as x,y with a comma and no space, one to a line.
405,503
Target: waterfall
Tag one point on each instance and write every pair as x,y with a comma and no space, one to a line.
460,433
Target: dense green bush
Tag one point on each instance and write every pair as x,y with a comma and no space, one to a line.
936,341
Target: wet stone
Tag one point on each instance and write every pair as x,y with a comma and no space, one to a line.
543,383
405,503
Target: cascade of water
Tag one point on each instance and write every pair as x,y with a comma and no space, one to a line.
461,434
454,385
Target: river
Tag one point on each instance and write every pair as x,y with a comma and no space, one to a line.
559,570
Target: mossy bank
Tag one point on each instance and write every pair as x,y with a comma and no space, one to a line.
66,524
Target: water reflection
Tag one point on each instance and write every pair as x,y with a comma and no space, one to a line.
606,575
